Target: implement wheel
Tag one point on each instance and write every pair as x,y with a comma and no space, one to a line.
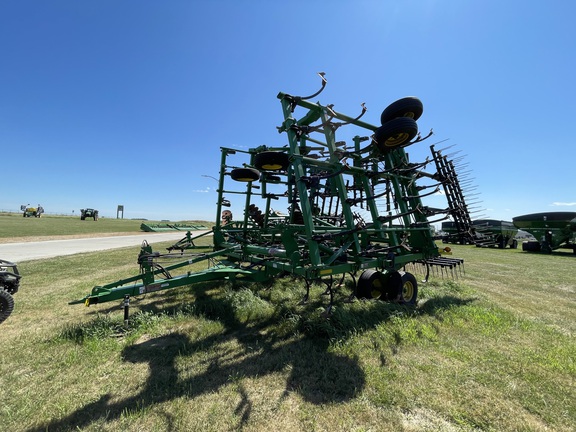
406,107
6,305
395,133
409,288
245,174
271,161
370,285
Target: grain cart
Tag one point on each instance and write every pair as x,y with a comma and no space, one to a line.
9,284
88,213
352,208
495,233
552,231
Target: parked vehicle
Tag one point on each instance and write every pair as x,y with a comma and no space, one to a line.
9,284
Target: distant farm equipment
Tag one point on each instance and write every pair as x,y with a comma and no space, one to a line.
164,227
552,231
482,233
9,284
495,233
354,208
31,211
88,213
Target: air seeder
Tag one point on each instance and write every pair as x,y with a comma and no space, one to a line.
348,208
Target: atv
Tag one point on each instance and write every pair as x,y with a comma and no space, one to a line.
9,284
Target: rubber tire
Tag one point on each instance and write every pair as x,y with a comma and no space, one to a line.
272,179
531,246
271,161
6,305
395,133
410,107
371,285
409,288
245,174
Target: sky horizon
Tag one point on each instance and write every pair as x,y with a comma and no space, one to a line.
128,103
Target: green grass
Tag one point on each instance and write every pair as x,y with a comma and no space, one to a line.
13,225
490,350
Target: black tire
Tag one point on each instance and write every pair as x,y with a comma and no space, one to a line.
245,174
271,161
514,244
6,305
272,179
531,246
410,107
395,133
370,285
409,288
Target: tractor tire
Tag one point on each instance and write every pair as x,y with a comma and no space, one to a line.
410,107
6,305
245,174
395,133
370,285
531,246
409,288
271,161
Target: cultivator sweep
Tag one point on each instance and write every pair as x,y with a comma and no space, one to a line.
353,208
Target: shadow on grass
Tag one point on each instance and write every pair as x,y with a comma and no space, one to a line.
316,374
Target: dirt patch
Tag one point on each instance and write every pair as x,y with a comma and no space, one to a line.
66,237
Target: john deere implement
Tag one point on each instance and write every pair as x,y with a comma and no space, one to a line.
348,207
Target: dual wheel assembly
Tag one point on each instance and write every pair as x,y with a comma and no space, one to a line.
263,161
398,128
394,286
399,125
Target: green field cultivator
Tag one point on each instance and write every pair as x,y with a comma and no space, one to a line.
353,208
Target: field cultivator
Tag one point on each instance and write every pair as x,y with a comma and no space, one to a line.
352,208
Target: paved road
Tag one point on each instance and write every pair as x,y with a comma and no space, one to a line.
18,252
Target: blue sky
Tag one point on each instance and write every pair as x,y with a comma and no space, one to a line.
129,101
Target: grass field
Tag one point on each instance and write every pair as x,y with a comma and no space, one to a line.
491,349
15,227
